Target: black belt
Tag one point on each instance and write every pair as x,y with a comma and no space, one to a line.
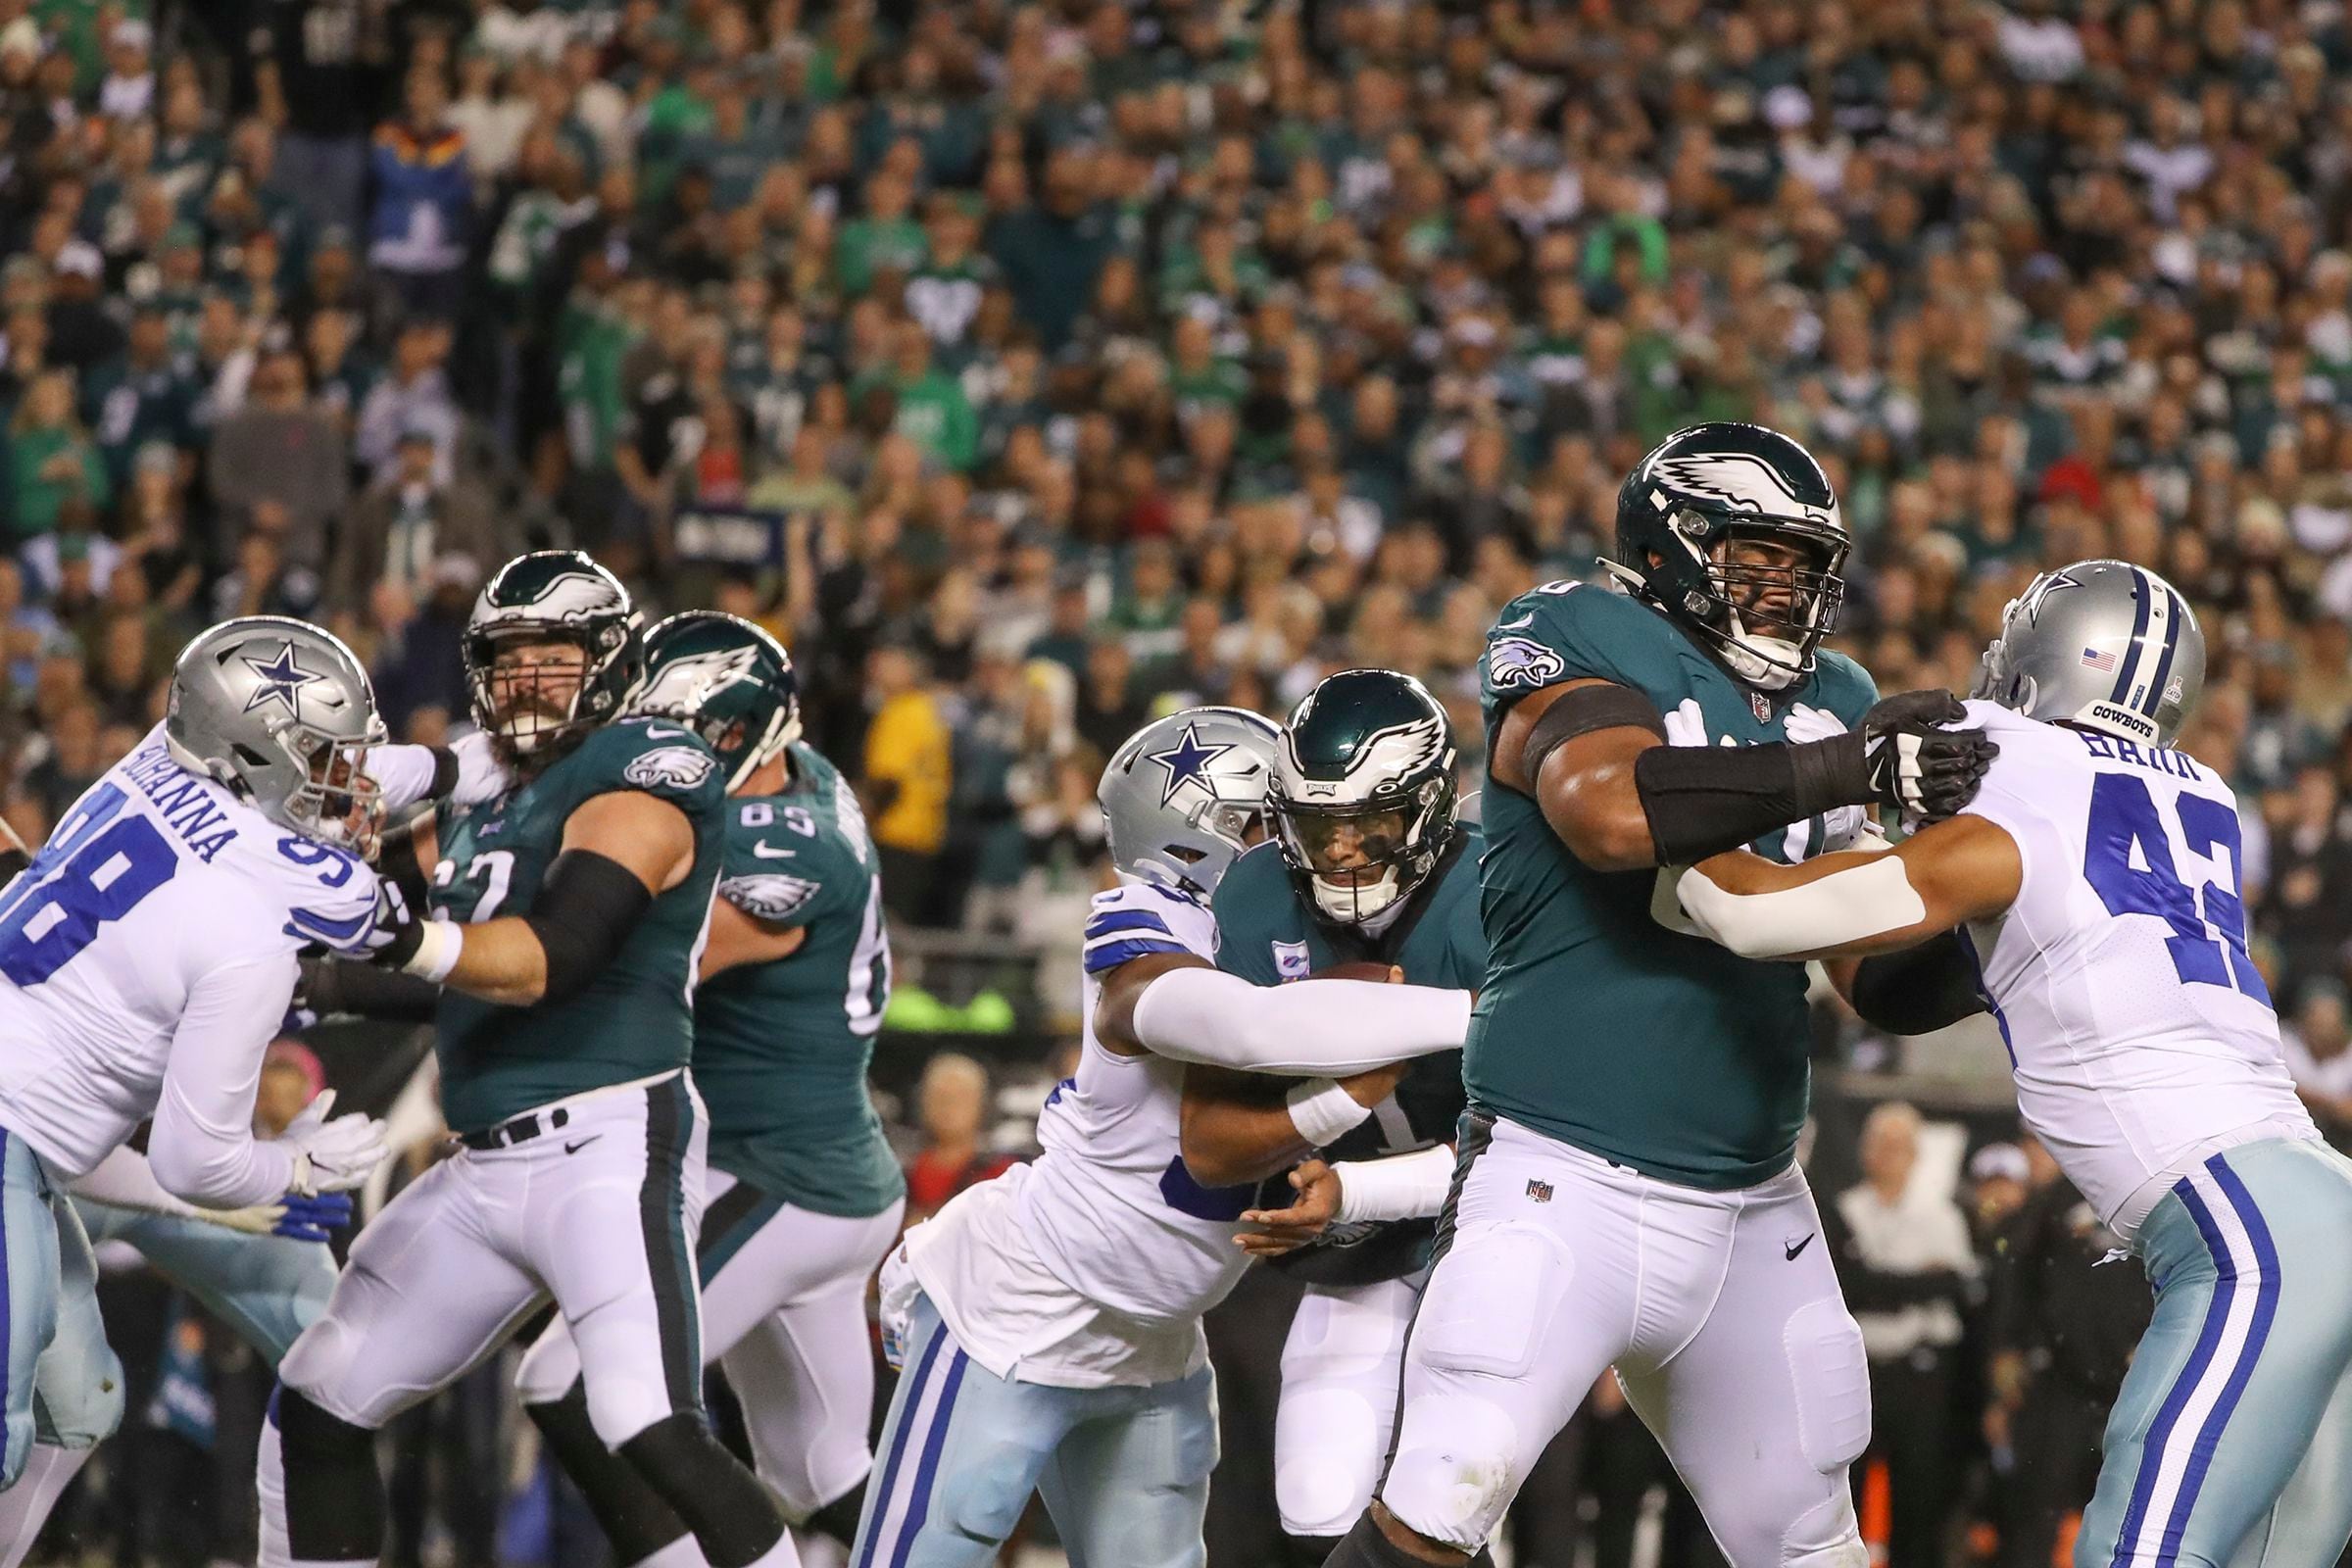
521,1130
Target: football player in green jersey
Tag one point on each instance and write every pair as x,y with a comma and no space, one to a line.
1369,865
566,917
1626,1194
803,1194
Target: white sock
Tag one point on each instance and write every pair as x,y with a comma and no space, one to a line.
683,1552
25,1506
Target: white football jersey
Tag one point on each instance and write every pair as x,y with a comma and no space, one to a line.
1110,1207
2140,1035
1093,1264
153,938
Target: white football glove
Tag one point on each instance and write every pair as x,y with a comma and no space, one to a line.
1806,722
1686,725
331,1156
481,773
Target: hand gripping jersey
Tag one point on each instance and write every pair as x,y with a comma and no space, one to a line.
635,1019
1268,935
1597,1026
147,957
781,1049
2140,1034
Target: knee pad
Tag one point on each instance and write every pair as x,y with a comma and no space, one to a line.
550,1368
318,1367
731,1513
1328,1445
1824,1347
89,1412
1455,1470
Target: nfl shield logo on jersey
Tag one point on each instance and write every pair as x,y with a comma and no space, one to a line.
1291,960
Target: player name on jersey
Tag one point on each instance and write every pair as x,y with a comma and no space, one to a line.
183,800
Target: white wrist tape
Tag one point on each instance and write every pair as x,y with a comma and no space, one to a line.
438,944
1830,913
1402,1186
1323,1111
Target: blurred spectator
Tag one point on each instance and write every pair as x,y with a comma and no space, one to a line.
953,1112
278,468
422,214
2319,1053
1904,1256
404,523
52,463
908,771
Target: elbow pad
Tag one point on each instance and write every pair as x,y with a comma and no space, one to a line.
1919,990
585,910
1703,800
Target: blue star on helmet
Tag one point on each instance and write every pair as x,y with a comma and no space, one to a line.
282,680
2040,589
1187,761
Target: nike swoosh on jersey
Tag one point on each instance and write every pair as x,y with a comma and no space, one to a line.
1792,1249
573,1148
765,852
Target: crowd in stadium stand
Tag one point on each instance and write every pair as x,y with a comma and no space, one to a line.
1030,368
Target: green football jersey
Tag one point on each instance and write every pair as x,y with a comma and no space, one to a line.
634,1019
1596,1025
1268,932
780,1050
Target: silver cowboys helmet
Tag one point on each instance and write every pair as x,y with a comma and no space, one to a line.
2103,645
1187,793
280,713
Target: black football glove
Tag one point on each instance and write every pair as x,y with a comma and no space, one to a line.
1914,766
397,932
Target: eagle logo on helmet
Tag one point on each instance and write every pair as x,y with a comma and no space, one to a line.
1738,479
677,767
1523,661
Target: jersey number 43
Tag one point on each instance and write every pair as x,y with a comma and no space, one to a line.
2129,863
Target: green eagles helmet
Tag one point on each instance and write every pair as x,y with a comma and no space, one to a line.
551,596
1363,793
728,681
1698,521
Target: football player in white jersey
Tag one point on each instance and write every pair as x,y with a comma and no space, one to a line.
147,956
2092,895
1052,1316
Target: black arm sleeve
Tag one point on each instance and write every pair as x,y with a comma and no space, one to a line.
1581,712
585,910
1705,800
1919,990
330,987
445,773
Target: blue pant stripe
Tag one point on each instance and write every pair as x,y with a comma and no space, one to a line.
925,1473
2266,1309
2209,1339
898,1443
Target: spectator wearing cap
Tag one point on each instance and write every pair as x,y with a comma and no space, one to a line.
278,467
406,521
52,461
422,213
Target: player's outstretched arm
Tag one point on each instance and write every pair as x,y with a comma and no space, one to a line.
1593,755
621,850
1176,1005
1853,904
467,772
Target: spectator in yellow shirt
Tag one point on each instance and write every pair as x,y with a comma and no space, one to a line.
908,772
